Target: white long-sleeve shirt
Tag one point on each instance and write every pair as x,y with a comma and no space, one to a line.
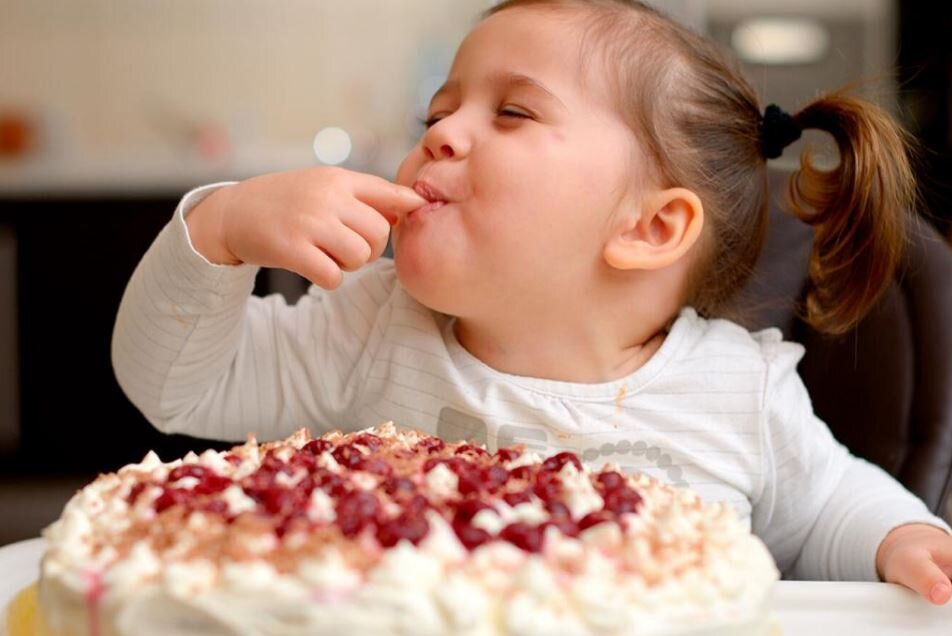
717,409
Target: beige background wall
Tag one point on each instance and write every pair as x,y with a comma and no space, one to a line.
122,80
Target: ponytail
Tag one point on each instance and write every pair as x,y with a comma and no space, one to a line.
857,209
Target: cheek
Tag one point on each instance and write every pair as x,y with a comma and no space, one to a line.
406,173
554,216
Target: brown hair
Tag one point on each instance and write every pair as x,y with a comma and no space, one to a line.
700,121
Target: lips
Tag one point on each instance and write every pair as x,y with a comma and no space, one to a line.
436,199
429,192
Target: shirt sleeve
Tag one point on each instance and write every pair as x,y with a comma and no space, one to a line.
198,354
822,512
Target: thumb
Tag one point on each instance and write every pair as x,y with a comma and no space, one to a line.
392,200
927,578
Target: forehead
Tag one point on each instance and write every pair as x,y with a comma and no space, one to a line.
539,45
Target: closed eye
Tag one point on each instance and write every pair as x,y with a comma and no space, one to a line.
428,123
512,113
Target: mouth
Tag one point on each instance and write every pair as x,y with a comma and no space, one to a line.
435,198
424,209
428,191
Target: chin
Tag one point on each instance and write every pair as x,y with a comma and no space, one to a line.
429,281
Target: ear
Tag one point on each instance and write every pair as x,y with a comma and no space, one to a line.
668,225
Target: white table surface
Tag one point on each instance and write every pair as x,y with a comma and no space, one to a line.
803,608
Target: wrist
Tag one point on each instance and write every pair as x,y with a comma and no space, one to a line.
205,228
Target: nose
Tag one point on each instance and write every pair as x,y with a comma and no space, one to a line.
445,152
445,139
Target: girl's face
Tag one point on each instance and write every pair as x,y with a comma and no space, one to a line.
532,163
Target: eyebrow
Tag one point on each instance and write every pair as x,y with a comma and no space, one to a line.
507,79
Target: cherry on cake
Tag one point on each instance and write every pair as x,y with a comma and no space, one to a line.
390,531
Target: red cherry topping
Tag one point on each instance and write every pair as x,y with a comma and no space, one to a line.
211,483
416,505
286,523
610,480
277,500
522,535
306,485
216,506
273,463
431,444
565,525
468,508
469,481
494,477
304,460
516,498
470,536
348,455
135,491
171,497
558,509
317,446
356,510
469,449
396,486
409,526
622,500
547,486
456,464
595,518
522,472
481,477
556,462
331,483
186,470
507,454
374,465
368,440
259,480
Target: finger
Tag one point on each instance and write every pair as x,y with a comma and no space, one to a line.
348,248
928,579
390,199
316,266
372,226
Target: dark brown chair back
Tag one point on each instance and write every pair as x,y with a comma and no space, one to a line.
884,388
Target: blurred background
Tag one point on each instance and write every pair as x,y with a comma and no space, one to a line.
110,110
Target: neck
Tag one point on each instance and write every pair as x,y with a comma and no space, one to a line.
587,347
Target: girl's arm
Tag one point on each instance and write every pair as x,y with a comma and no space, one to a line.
822,511
197,354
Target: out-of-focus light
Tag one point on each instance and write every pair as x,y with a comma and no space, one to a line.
780,40
332,145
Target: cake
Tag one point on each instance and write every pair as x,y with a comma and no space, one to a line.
390,531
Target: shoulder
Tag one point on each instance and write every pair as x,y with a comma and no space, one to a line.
724,355
718,339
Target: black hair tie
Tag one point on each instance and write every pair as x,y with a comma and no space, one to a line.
777,131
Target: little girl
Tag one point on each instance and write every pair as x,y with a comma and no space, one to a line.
589,193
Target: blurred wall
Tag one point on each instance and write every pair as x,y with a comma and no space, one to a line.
243,84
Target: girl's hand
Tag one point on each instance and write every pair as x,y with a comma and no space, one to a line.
317,222
918,556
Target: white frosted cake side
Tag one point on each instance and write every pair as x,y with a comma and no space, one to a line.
387,531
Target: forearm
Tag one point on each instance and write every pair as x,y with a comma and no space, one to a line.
178,327
845,541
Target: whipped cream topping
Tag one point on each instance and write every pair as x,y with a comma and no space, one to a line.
394,531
